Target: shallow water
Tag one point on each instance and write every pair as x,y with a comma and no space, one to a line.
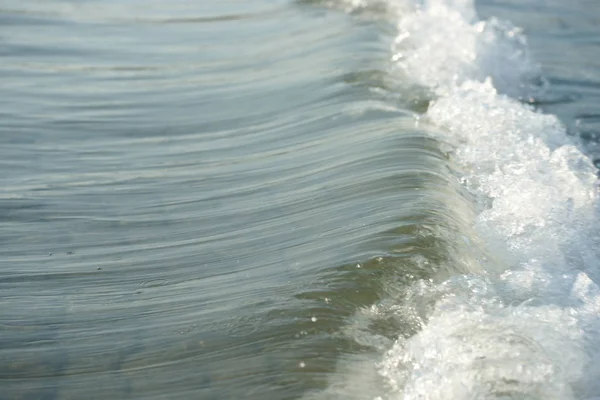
277,199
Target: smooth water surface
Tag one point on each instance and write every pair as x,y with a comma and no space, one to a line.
226,200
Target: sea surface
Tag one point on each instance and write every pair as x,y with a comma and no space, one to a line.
299,199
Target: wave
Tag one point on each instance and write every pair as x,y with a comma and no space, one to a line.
525,321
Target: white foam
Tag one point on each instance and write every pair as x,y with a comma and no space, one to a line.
442,45
528,327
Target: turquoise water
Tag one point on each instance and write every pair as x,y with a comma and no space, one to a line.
310,199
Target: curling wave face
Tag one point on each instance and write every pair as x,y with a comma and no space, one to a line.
216,201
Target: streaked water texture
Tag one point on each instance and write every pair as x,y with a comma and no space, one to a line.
308,199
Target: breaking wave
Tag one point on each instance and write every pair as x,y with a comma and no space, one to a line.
524,323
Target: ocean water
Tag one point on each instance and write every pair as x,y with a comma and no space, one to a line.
310,199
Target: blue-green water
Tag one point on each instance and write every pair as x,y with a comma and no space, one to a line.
299,199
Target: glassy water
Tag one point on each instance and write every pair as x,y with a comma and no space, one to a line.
299,199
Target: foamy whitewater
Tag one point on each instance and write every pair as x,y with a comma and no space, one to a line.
525,323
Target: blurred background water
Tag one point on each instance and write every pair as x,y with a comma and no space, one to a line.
197,197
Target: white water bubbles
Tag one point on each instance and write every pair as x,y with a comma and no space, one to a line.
441,45
529,326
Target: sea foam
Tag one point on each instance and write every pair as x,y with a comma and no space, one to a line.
528,326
